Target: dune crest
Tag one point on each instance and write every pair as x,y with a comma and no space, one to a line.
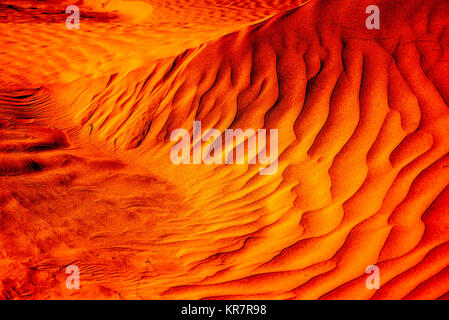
362,173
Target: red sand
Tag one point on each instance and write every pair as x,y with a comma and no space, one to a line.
86,177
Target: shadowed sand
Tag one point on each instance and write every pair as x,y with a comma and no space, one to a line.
363,177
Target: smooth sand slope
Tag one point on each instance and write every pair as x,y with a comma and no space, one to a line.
85,170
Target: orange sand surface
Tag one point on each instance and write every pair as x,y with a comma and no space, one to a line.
85,171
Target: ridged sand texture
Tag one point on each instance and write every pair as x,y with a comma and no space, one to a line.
85,171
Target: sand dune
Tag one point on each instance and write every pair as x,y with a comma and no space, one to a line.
86,176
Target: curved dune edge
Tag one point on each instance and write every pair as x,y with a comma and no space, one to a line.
115,36
363,169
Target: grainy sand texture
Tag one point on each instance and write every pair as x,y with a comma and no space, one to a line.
86,178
